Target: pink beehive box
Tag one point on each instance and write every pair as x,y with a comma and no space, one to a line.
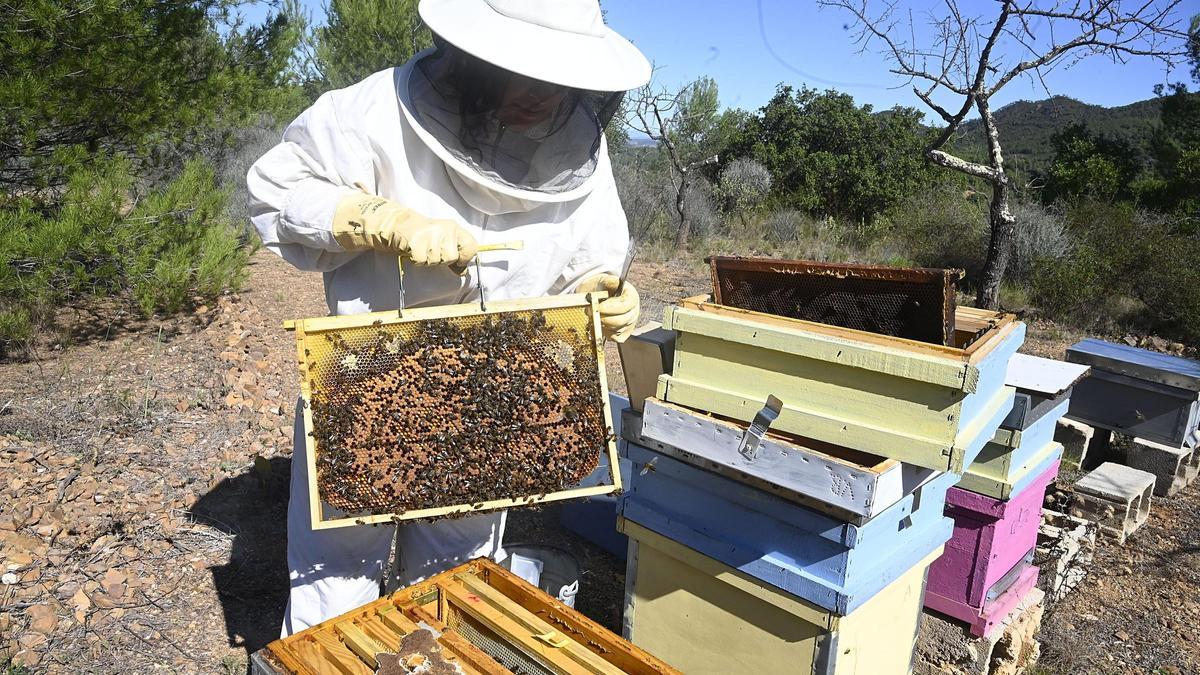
985,569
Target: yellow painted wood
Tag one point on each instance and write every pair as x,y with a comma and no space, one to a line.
706,618
829,388
549,657
324,323
996,477
891,356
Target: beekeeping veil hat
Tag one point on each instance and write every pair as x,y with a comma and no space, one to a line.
516,94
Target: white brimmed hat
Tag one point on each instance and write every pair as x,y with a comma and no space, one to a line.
559,41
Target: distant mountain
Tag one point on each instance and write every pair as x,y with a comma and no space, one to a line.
1027,126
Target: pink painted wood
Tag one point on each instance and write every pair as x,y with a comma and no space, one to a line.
990,537
982,621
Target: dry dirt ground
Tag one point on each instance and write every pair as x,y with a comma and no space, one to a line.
144,483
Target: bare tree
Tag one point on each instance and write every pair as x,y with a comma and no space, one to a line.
679,122
968,58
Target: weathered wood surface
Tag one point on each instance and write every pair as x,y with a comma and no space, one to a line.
926,404
981,622
851,482
736,624
1143,364
830,562
1137,407
527,620
991,537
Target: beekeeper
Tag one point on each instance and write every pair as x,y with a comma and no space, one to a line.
495,134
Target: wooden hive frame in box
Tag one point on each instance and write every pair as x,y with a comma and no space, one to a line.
485,620
918,402
577,313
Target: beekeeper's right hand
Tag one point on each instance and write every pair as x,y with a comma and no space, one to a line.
364,221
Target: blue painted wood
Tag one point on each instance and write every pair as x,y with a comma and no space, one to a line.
989,427
992,369
1143,364
1034,438
832,563
595,518
1137,407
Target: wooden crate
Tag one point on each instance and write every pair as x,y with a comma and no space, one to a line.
707,618
931,405
571,320
848,484
991,546
1138,392
1003,469
487,620
831,563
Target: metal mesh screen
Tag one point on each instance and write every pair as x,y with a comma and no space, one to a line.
917,304
454,411
494,645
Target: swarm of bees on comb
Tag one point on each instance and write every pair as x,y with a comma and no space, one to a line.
448,412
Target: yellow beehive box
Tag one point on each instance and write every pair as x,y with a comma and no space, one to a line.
706,618
926,404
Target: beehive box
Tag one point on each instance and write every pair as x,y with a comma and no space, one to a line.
991,545
708,618
1002,470
847,484
1041,384
478,616
1138,392
913,303
833,564
449,410
926,404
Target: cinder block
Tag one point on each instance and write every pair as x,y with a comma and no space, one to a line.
1075,438
1116,497
1065,545
946,647
1192,465
1169,465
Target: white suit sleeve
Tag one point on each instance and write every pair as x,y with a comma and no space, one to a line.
295,187
606,242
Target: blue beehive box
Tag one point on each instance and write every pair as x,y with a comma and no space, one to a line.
832,563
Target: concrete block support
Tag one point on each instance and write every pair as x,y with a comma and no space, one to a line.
1116,497
1075,438
1192,466
1064,551
945,647
1169,465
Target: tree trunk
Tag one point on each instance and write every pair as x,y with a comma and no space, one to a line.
685,225
1003,230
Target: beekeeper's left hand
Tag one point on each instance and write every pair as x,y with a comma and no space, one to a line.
617,312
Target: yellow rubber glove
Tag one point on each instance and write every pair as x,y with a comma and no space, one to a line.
362,221
617,312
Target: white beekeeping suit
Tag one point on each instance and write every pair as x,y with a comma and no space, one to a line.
494,135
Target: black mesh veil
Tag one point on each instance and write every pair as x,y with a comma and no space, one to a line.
463,102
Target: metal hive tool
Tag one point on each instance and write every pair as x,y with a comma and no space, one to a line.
913,303
449,410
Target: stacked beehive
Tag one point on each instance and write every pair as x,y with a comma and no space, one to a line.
807,546
987,570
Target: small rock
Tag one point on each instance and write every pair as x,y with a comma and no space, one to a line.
1122,636
1130,340
9,579
1090,617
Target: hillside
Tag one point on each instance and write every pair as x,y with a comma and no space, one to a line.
1027,126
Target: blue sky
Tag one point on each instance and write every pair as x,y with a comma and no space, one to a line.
732,41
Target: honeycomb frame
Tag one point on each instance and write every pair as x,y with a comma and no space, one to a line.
309,331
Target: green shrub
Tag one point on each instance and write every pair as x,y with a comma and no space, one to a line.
945,226
158,251
1127,267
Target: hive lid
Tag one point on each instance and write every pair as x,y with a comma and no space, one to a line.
1049,377
1173,371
